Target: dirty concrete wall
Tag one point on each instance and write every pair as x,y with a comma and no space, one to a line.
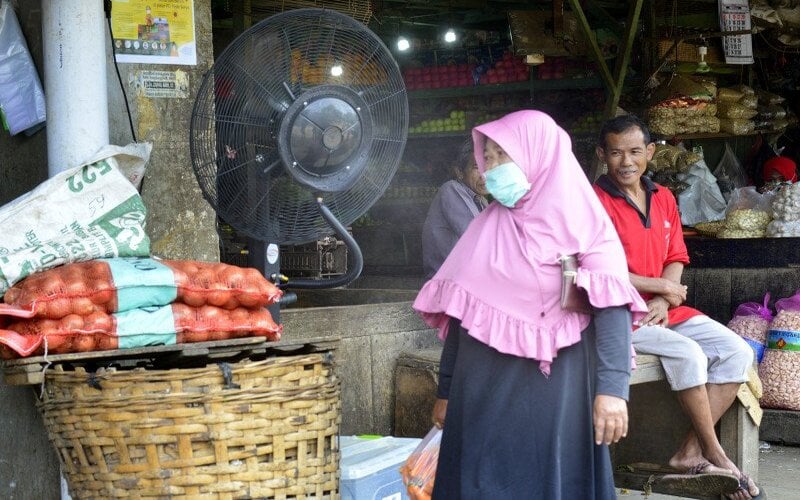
181,225
372,338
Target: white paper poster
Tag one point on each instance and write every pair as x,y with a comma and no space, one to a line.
154,31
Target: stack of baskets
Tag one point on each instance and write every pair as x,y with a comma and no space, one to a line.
252,429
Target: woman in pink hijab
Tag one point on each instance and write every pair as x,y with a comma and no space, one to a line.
531,395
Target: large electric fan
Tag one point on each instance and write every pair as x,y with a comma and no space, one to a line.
297,130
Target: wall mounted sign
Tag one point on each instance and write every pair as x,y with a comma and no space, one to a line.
154,31
170,84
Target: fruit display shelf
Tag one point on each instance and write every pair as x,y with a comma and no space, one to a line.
500,88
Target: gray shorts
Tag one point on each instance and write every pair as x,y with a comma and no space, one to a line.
695,352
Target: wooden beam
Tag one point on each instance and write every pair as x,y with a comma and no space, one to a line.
623,58
242,15
558,17
605,74
613,83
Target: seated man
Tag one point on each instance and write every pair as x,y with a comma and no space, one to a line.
456,203
704,361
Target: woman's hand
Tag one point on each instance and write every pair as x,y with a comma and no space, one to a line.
610,417
657,312
439,411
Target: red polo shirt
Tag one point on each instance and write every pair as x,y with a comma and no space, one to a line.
652,240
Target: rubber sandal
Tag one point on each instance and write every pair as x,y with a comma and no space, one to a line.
744,485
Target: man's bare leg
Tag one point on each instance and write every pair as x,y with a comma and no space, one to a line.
705,405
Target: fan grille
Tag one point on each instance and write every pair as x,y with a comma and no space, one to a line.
240,106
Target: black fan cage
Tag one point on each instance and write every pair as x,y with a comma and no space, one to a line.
244,97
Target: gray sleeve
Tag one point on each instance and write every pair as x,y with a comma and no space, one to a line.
455,211
612,327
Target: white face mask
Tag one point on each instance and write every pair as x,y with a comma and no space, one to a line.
507,183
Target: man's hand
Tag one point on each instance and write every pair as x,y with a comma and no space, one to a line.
439,411
673,293
657,312
610,417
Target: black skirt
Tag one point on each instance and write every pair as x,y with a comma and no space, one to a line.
512,433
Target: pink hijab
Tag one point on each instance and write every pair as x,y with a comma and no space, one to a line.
503,277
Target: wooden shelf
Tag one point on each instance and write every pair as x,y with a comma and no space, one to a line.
718,135
500,88
440,135
576,136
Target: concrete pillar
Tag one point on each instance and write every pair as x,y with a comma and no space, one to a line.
74,40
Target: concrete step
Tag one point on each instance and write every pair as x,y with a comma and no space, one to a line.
780,426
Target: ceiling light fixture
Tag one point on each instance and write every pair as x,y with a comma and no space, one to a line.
450,36
337,70
402,44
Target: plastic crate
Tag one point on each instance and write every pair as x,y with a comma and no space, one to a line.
370,468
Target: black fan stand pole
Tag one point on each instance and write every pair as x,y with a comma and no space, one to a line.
265,256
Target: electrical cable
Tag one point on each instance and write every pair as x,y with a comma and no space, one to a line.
107,8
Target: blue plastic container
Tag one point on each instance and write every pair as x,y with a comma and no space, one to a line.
370,468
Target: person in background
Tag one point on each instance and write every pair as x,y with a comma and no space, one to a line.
530,394
779,169
456,203
704,361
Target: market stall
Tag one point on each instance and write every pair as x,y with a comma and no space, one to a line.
718,115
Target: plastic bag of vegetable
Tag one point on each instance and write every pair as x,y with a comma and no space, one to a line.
419,470
735,126
786,202
728,94
732,109
768,98
746,90
149,326
783,229
749,100
111,285
751,322
748,214
771,112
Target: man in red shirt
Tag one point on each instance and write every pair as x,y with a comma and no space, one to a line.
705,362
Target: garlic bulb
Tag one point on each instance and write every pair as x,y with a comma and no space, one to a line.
786,204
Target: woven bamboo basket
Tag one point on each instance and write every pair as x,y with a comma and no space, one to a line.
252,429
709,228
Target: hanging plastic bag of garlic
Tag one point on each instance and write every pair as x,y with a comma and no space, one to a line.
748,214
785,212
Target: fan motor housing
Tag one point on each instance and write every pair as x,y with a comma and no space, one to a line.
325,137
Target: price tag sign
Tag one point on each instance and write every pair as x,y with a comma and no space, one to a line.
734,15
